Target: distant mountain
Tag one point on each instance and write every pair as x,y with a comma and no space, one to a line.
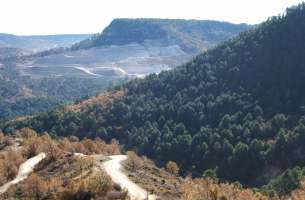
40,42
135,48
6,51
192,36
237,110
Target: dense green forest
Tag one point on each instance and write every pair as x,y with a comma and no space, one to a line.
238,109
192,35
22,95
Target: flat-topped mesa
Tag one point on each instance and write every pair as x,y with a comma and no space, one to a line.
192,36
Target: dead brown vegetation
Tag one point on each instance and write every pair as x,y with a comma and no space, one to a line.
61,175
9,165
172,167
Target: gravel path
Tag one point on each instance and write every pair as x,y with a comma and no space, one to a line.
113,168
24,170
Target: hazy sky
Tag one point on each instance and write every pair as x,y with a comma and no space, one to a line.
91,16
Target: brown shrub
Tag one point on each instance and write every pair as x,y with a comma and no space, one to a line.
35,188
90,146
207,189
114,147
79,148
134,162
26,133
84,163
32,146
99,184
172,167
50,147
10,164
66,146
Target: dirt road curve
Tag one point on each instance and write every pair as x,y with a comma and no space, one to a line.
113,168
24,170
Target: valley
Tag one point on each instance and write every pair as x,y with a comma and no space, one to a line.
156,109
35,81
227,114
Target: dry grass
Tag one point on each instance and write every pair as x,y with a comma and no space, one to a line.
61,175
158,181
167,186
207,189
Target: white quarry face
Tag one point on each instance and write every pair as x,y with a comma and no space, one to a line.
132,60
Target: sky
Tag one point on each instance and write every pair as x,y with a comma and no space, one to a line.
40,17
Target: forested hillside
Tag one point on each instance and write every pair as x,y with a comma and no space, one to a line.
24,95
237,109
192,36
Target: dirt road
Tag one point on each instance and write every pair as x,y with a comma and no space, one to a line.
113,168
24,170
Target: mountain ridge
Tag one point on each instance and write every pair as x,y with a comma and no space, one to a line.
165,31
40,42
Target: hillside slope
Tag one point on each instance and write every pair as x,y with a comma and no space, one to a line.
24,95
43,167
237,109
192,36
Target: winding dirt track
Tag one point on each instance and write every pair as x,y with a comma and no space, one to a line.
24,170
113,168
